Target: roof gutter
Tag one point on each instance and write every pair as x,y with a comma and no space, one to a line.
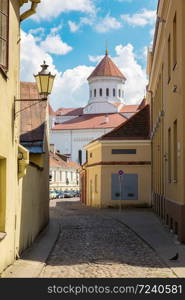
30,11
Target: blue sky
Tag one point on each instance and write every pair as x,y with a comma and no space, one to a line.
71,36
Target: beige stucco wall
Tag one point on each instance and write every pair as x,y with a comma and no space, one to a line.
34,206
9,88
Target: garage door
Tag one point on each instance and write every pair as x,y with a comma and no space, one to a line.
126,188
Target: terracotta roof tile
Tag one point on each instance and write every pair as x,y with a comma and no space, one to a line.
33,114
69,111
51,111
129,108
55,160
92,121
137,127
106,68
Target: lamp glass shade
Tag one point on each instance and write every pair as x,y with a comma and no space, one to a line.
44,80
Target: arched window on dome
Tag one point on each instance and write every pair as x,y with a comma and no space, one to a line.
119,93
107,92
95,93
101,93
114,92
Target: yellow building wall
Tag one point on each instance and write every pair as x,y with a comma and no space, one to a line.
94,186
143,152
9,88
144,185
172,103
99,172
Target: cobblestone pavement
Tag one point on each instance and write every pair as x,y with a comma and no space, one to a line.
92,244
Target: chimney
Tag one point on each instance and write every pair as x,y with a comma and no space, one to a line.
52,148
106,119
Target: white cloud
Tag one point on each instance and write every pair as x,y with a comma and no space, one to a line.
71,87
107,23
39,30
56,29
142,18
73,26
48,9
53,44
136,76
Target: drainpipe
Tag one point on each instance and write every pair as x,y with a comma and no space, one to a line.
30,11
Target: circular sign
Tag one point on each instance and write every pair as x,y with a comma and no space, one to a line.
120,172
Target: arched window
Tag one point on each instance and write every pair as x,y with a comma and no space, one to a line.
119,93
114,92
107,92
100,92
95,93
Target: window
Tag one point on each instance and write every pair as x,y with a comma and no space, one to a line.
71,176
175,151
169,59
119,93
4,18
60,175
174,41
2,193
96,183
114,92
169,154
100,92
80,157
107,92
95,93
123,151
55,176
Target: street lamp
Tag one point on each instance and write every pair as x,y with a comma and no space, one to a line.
44,80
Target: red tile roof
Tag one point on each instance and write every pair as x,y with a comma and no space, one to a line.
55,160
135,128
33,114
51,111
92,122
129,108
69,111
106,68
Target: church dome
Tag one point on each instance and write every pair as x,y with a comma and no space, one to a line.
107,68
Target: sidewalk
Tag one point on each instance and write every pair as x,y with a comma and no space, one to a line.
146,224
33,260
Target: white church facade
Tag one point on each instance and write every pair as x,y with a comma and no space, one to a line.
73,128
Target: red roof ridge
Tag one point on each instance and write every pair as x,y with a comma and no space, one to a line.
106,67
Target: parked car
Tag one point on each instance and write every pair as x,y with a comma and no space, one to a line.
68,194
61,194
52,194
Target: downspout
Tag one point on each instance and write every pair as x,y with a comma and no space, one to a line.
30,11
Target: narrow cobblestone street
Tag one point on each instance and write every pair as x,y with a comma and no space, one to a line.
93,244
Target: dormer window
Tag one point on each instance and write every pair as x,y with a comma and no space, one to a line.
100,92
107,92
95,93
114,92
